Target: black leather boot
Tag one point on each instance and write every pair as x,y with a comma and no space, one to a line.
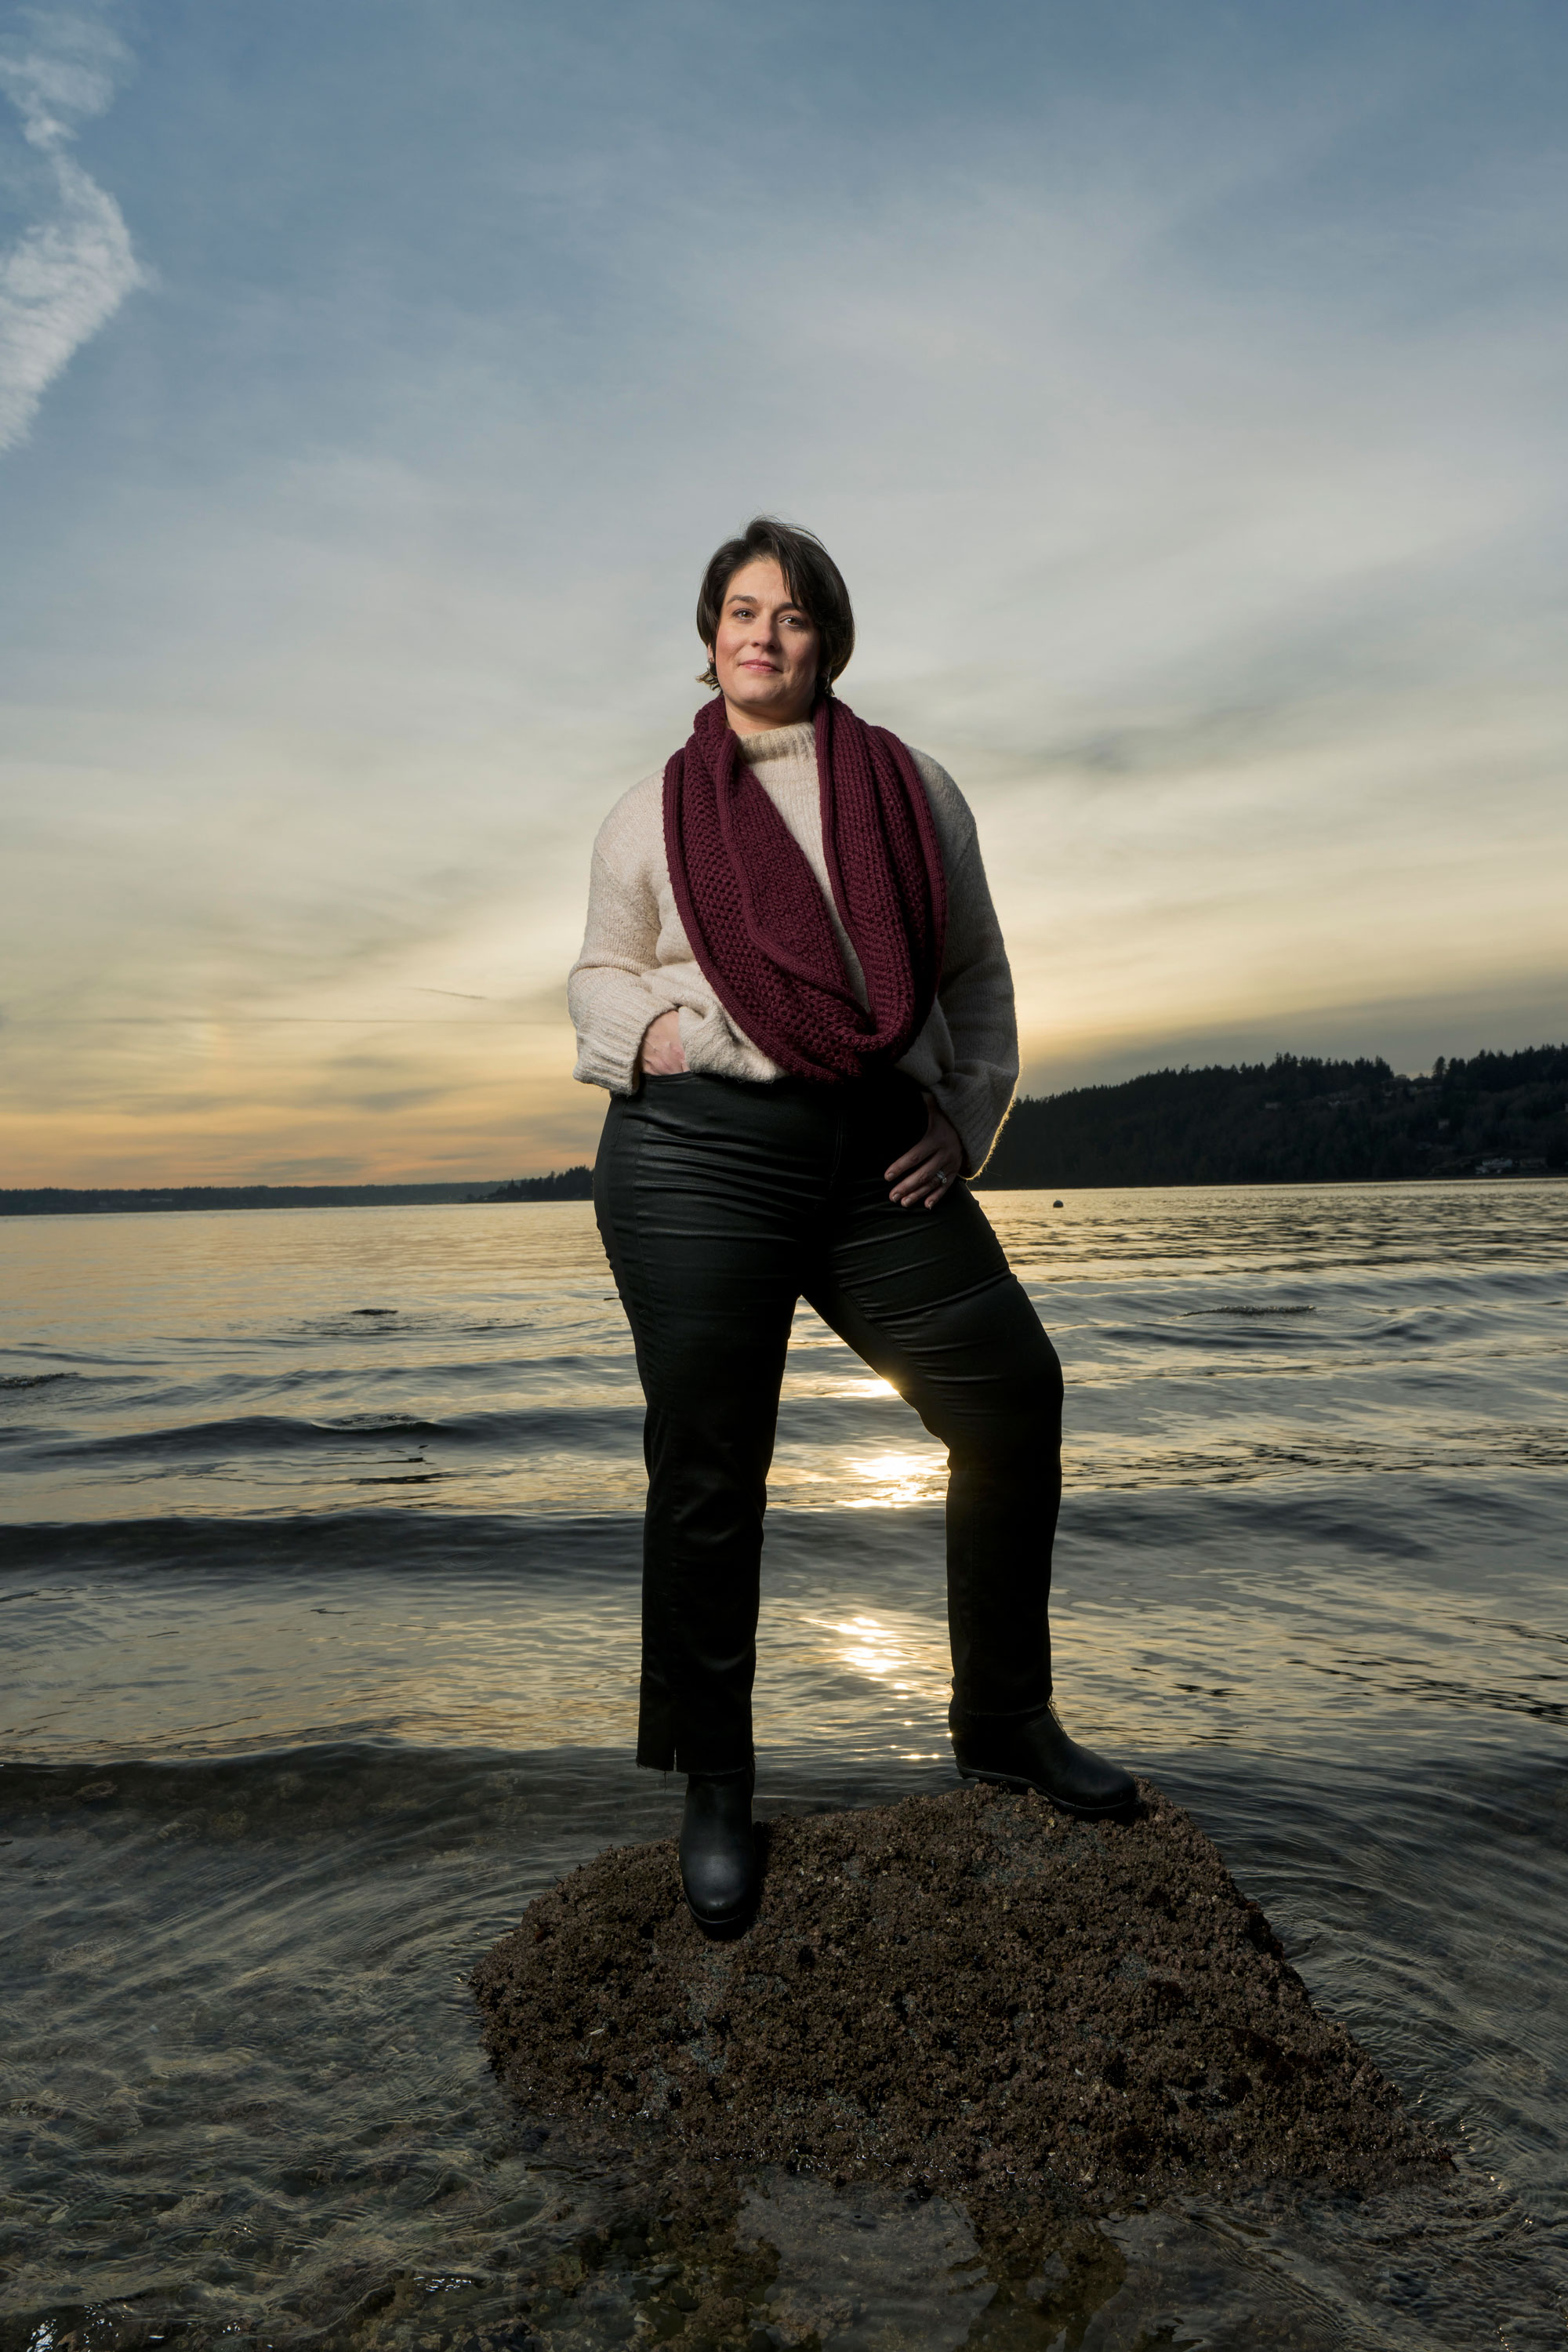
1034,1752
719,1874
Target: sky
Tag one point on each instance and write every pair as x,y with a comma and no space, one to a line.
1182,390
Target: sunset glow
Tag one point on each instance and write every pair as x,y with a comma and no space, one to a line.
1179,392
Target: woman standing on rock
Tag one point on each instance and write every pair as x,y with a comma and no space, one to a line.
793,986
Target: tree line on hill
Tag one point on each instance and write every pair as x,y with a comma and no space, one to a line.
560,1184
1294,1120
60,1201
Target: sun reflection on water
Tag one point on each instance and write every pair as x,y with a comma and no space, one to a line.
873,1648
905,1660
897,1479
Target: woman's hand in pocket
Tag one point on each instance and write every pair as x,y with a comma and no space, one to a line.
930,1168
663,1056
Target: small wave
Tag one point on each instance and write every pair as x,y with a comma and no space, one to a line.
387,1541
1250,1310
1329,1461
292,1771
34,1380
544,1427
380,1424
396,1323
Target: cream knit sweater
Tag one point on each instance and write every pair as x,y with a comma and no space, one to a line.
637,961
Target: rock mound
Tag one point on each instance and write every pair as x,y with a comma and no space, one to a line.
956,1990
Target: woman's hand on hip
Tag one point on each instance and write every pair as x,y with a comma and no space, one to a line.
932,1168
663,1056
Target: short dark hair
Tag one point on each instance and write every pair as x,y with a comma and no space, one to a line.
812,577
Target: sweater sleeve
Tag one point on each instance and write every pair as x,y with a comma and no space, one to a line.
612,989
975,994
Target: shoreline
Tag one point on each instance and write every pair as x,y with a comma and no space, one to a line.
107,1203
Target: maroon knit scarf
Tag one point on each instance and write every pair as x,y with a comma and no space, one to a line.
754,912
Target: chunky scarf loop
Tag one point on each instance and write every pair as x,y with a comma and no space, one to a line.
756,917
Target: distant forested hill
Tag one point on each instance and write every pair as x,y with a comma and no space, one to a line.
562,1185
1293,1120
55,1200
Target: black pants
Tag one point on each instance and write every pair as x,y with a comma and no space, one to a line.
721,1204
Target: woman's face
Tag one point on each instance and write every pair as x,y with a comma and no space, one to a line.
766,651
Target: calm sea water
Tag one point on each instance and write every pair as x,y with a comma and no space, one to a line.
320,1604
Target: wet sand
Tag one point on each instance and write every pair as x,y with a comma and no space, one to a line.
961,1994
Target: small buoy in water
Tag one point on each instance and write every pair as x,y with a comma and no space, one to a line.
1055,1204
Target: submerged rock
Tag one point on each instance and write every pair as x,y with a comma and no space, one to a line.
962,1992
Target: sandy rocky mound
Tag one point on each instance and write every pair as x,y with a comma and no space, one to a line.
957,1991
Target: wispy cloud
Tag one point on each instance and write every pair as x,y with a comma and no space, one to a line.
73,266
